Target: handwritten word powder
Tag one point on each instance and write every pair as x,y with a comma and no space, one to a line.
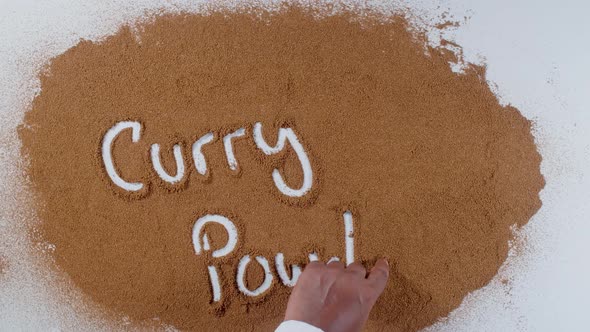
432,168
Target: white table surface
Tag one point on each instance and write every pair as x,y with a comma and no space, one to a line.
537,54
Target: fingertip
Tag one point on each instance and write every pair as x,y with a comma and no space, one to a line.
379,275
358,269
335,264
313,264
382,263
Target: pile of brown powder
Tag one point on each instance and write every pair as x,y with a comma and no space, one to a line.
434,169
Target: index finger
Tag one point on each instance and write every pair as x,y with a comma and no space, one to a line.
314,265
378,277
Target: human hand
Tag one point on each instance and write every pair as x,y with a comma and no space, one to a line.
336,298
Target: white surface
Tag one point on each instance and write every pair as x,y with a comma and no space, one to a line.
107,155
230,228
282,271
286,135
313,257
349,237
241,276
215,285
198,156
537,54
229,151
155,155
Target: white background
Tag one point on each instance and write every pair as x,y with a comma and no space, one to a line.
537,54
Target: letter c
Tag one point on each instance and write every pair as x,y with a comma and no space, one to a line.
107,155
